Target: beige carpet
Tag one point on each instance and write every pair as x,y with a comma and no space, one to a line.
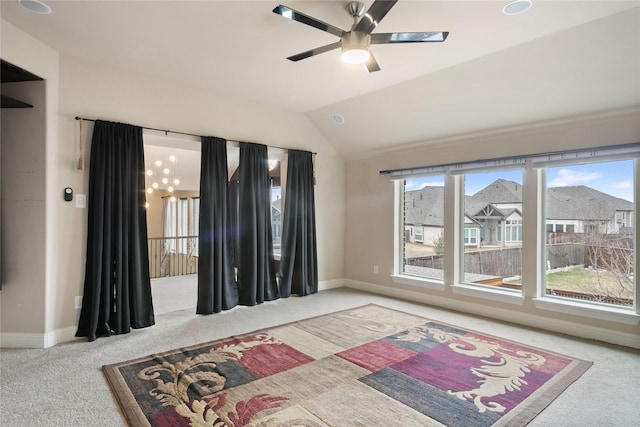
64,385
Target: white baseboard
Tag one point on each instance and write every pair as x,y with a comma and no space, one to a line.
330,284
544,321
31,340
49,339
21,340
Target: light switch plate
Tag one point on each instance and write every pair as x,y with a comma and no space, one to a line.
81,201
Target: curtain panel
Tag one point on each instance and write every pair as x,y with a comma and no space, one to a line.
217,288
256,273
117,287
299,264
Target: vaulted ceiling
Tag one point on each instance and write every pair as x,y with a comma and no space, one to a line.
558,60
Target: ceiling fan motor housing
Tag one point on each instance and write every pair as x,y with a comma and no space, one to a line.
356,9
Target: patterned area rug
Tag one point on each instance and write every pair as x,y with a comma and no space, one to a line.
369,366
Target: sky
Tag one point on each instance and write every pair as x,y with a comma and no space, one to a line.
276,193
613,178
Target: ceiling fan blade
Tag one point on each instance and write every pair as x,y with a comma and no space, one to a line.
315,51
294,15
374,15
383,38
371,65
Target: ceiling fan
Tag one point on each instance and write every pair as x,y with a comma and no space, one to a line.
355,43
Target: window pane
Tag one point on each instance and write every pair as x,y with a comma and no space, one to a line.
194,224
423,227
592,260
170,223
276,217
493,208
182,225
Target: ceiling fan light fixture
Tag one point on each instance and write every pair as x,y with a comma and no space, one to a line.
355,47
355,56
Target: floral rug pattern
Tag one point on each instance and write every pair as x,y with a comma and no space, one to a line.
366,366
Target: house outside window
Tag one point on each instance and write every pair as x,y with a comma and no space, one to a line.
493,201
591,259
423,227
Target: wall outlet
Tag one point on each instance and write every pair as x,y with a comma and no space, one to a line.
375,269
79,301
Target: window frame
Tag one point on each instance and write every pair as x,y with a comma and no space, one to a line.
533,240
604,311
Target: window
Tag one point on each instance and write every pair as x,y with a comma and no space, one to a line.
581,209
276,206
418,229
194,224
492,208
181,225
592,258
423,225
513,230
276,216
169,205
470,236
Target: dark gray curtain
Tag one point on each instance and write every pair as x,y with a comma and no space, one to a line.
217,288
117,288
299,263
233,211
256,273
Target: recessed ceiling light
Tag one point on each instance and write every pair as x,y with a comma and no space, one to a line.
516,7
35,6
337,119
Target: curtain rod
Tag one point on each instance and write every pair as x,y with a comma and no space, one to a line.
166,131
633,146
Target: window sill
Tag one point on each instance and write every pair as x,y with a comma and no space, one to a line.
594,311
421,282
490,293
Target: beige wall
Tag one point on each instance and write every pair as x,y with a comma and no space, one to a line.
370,222
55,276
23,208
354,204
31,196
92,91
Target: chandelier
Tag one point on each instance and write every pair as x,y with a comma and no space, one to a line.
161,174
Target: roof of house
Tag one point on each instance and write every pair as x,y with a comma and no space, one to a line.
426,206
583,203
277,204
499,191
